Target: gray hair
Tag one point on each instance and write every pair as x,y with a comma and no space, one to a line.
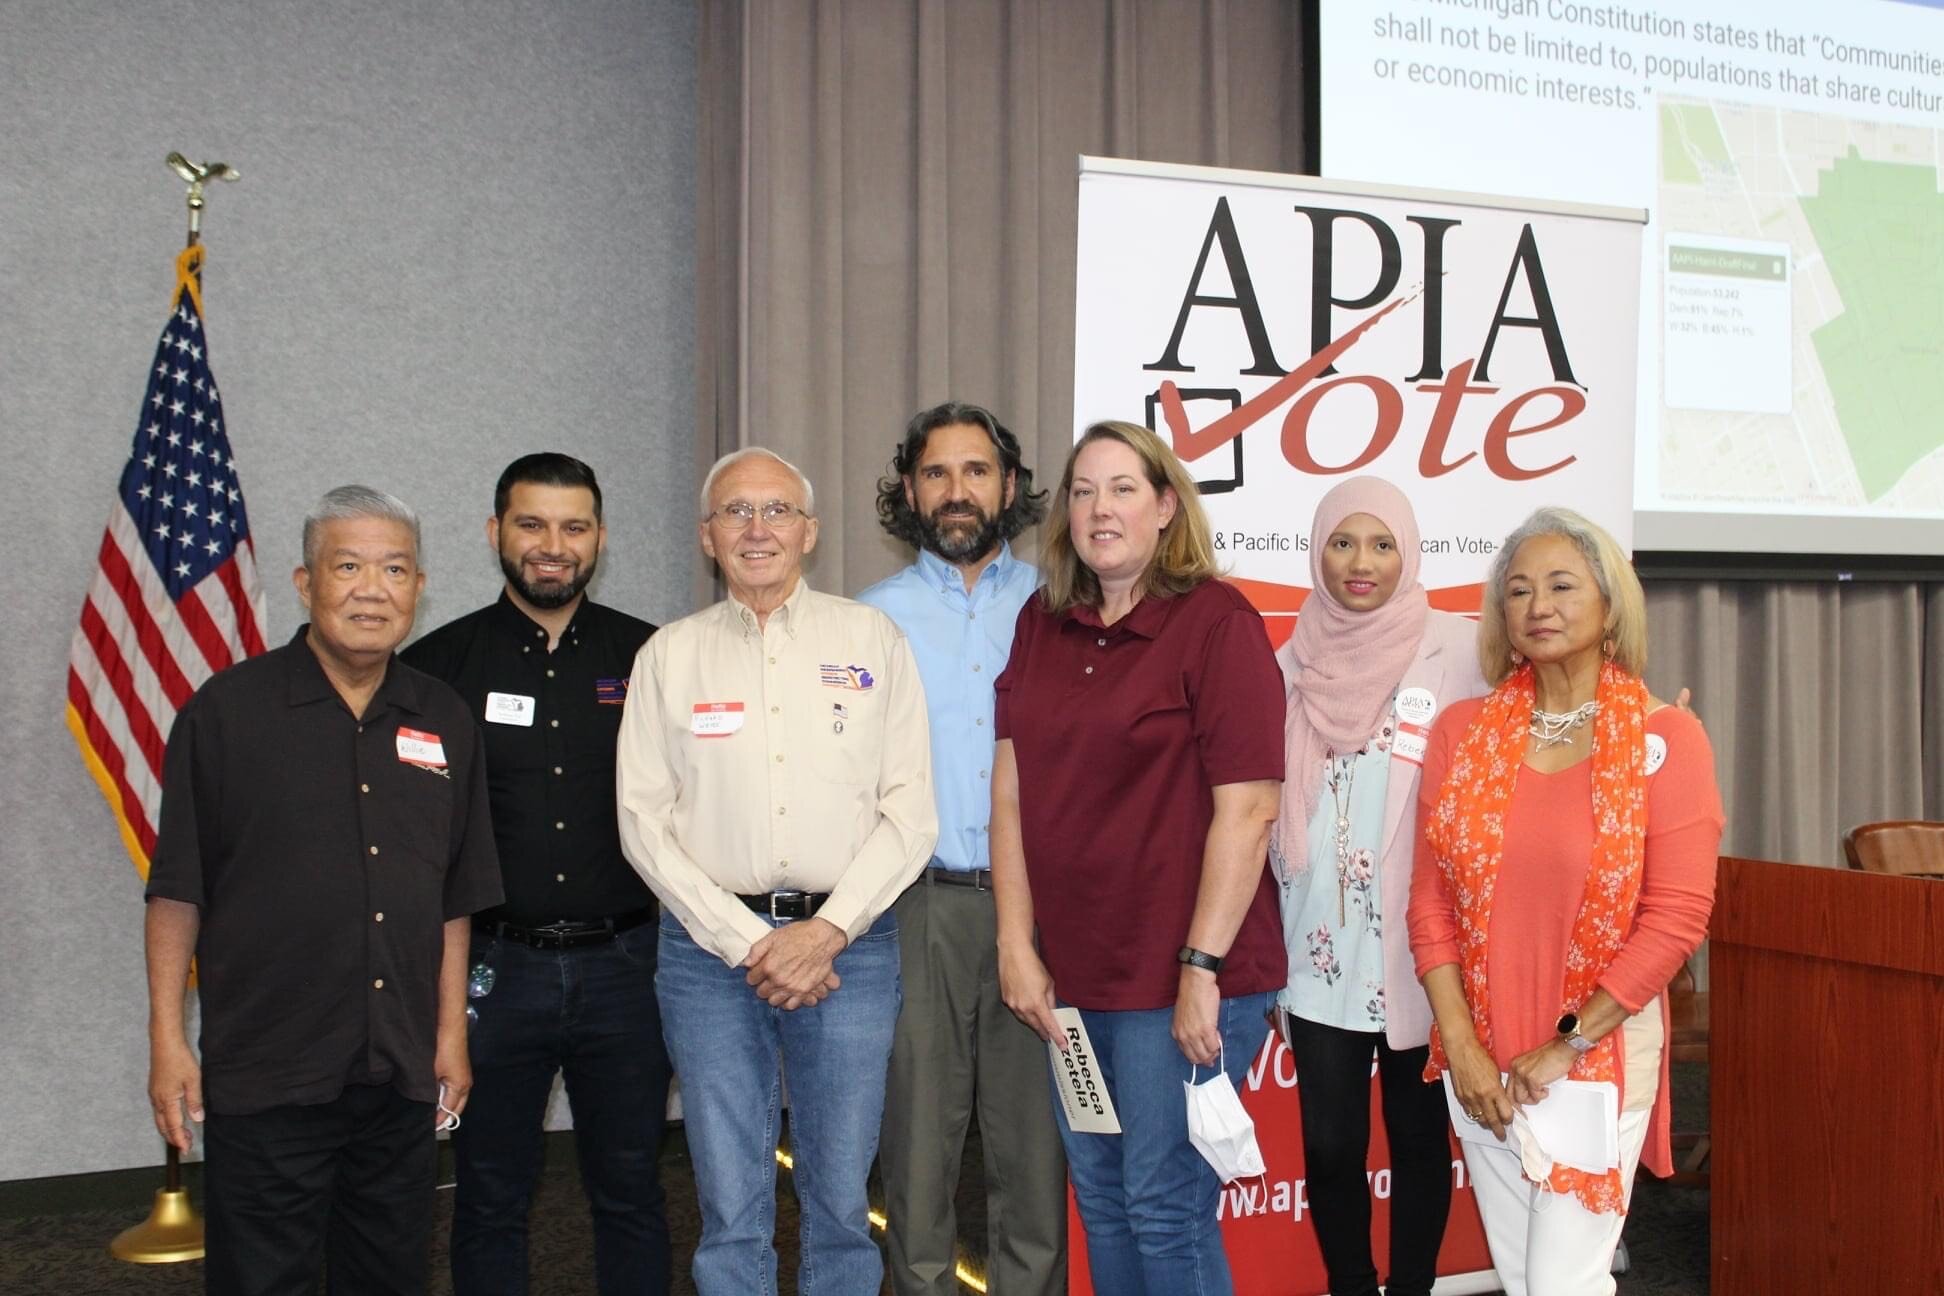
344,503
735,457
1626,619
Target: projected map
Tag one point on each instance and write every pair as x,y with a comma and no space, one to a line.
1802,275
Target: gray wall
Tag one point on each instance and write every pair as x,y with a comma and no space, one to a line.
465,231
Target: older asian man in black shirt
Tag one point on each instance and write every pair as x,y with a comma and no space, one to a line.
324,839
564,972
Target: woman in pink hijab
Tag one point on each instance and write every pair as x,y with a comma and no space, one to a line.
1368,668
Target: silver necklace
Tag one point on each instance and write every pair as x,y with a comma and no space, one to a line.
1343,778
1551,728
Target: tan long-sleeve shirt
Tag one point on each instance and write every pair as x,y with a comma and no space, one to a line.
794,755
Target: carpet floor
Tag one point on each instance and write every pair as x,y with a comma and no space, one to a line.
54,1232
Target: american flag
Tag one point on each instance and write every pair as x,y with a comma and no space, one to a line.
175,596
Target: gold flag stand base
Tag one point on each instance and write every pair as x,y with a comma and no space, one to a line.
173,1232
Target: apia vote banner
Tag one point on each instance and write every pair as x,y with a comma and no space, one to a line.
1283,333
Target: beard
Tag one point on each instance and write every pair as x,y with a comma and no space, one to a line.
551,594
960,537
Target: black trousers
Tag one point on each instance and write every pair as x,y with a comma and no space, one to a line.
344,1186
591,1014
1333,1087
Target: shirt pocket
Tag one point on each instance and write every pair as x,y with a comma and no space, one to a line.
840,733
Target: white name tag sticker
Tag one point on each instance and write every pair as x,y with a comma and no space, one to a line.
509,708
716,719
416,747
1410,743
1077,1079
1416,706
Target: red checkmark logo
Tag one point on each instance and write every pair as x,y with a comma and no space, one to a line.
1190,445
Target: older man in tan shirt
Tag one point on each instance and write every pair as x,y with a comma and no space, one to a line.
775,791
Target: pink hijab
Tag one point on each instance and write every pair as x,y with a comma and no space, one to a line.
1342,667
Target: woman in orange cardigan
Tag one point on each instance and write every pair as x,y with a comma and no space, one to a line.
1569,824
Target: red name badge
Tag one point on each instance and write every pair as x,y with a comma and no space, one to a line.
416,747
716,719
1411,742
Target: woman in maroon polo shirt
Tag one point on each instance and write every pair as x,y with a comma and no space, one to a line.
1138,770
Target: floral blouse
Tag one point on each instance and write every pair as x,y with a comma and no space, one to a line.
1332,919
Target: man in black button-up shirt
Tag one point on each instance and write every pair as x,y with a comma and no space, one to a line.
324,839
564,971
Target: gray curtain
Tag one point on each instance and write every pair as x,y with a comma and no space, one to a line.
886,219
1825,703
888,202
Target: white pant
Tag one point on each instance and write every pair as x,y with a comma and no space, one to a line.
1545,1243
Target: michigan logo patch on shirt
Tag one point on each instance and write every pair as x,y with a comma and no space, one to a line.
845,677
611,692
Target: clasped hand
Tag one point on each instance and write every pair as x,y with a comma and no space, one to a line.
792,967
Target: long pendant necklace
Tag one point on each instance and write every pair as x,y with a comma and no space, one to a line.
1551,728
1343,778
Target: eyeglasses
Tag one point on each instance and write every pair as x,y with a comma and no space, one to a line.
776,513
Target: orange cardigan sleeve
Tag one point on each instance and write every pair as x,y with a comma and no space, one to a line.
1677,885
1431,917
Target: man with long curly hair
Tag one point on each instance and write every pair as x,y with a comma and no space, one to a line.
958,493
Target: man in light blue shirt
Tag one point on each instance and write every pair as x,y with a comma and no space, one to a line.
958,493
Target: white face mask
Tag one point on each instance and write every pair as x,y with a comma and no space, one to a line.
1220,1130
1533,1160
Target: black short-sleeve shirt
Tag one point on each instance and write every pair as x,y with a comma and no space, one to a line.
326,853
551,721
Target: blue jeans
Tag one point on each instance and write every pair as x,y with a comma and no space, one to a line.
1147,1198
590,1013
731,1050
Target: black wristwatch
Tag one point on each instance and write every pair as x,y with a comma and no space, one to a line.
1195,958
1569,1032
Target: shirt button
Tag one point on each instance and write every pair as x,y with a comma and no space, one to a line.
776,710
982,773
559,826
379,984
1101,642
554,724
560,877
374,850
379,916
772,661
976,667
779,758
1089,670
556,769
527,649
364,787
550,673
980,722
360,728
782,810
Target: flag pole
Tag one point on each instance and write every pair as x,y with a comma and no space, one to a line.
173,1231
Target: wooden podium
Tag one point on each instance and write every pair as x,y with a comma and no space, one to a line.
1827,1079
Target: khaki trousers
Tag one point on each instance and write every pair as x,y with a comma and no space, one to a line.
959,1049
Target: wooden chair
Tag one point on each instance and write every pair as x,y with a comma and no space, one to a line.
1687,1041
1902,846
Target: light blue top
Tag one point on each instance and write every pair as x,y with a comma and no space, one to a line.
961,641
1332,919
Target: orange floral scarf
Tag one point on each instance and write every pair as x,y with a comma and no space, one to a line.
1467,831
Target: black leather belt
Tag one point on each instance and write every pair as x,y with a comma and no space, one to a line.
976,879
565,934
786,905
